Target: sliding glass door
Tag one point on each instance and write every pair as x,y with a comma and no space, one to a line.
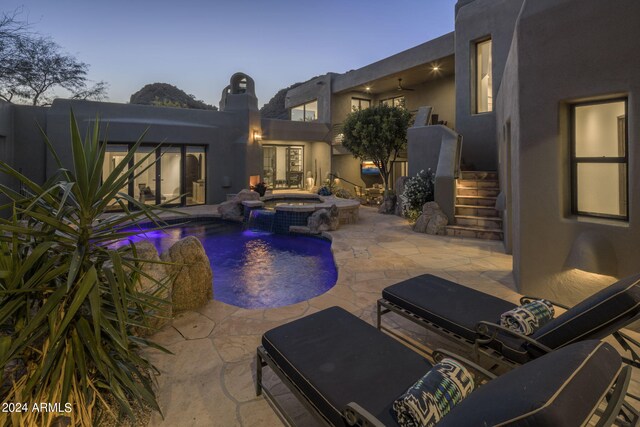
172,175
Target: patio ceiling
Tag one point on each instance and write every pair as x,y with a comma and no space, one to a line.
411,77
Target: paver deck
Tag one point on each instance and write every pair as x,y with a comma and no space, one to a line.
209,380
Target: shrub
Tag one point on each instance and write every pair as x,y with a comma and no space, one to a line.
343,194
68,299
324,191
418,190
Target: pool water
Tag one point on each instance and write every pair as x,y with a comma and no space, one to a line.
255,269
272,203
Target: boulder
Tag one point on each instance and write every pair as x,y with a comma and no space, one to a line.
399,189
324,220
193,278
158,284
388,205
233,209
432,220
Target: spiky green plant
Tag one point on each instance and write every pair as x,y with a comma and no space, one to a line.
68,299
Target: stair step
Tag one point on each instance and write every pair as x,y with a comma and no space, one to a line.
487,183
474,191
473,210
476,200
493,223
482,175
473,232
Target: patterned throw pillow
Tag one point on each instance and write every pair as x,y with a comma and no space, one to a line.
434,395
529,317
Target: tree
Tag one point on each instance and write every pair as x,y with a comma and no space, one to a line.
32,66
377,134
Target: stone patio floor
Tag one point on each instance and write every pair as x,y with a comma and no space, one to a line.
209,379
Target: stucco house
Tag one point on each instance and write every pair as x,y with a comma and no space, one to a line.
536,101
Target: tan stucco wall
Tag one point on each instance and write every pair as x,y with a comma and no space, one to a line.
567,50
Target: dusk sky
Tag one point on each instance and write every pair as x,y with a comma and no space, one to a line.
197,45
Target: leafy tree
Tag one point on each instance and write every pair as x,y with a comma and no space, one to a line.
31,66
377,134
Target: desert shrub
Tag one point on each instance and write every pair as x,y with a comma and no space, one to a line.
418,190
343,194
69,301
324,191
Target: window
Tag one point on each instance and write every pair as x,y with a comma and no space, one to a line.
360,104
306,112
396,101
484,78
599,159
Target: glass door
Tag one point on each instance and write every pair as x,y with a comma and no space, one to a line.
113,156
195,178
170,188
145,185
294,167
269,165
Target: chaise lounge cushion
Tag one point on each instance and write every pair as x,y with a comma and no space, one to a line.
456,308
448,304
562,388
336,358
601,314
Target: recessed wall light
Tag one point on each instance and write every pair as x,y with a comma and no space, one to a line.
367,88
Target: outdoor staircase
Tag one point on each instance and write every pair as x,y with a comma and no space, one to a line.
476,215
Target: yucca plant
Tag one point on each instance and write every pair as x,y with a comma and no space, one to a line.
68,298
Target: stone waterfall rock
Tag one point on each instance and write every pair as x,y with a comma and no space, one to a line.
233,209
158,284
324,220
193,283
432,220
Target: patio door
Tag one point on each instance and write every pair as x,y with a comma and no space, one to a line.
173,175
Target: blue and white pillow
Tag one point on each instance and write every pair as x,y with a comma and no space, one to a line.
529,317
427,401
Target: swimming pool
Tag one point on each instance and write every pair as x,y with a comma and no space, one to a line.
256,269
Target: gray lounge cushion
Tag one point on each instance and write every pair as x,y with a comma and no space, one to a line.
456,308
563,388
596,317
449,304
336,358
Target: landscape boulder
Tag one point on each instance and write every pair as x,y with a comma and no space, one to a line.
432,220
233,209
388,204
324,220
193,278
156,283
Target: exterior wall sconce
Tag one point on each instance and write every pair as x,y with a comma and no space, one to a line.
257,136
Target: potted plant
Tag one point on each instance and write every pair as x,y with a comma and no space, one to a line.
260,188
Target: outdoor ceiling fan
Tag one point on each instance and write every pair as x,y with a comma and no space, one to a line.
401,88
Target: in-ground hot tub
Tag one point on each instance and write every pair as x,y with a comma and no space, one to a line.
294,209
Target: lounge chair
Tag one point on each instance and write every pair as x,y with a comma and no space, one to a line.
469,317
346,372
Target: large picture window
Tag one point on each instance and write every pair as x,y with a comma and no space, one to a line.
600,159
484,77
360,104
396,101
306,112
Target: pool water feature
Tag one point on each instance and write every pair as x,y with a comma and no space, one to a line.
261,220
253,269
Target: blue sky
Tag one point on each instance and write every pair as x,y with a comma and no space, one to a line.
198,44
